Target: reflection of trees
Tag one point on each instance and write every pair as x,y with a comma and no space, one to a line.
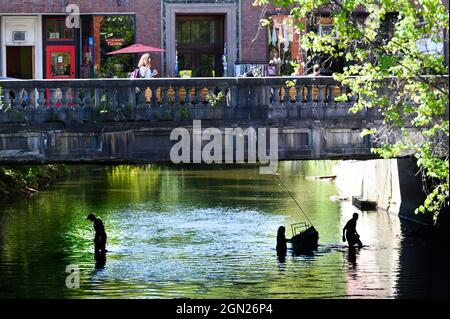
135,183
38,234
51,230
313,196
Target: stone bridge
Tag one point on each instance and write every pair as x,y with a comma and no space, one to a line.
130,120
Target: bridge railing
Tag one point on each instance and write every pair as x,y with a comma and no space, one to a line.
90,100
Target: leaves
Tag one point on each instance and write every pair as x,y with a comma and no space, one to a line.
388,66
214,99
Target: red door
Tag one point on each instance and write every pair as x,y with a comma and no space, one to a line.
60,60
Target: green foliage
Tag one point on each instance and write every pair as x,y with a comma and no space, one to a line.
121,26
167,114
184,113
290,83
28,178
214,99
386,67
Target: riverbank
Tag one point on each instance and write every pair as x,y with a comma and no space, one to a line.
29,179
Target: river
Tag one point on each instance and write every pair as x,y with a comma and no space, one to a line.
208,232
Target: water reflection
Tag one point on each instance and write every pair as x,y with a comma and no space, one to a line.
205,233
100,261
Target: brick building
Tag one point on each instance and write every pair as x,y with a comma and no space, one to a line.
207,37
200,38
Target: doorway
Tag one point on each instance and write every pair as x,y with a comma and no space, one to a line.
20,62
60,62
200,44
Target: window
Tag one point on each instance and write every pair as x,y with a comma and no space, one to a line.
327,29
56,30
197,32
429,46
110,33
60,64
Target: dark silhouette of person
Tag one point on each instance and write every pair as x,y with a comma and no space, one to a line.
349,232
281,242
100,236
351,258
100,261
281,260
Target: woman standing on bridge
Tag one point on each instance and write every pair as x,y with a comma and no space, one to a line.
144,70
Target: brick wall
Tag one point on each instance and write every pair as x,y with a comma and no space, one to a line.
148,21
253,42
148,28
57,6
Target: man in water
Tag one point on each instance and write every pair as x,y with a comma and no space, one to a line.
100,235
352,235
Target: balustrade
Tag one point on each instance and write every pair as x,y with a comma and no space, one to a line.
148,99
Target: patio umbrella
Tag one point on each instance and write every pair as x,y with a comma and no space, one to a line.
136,48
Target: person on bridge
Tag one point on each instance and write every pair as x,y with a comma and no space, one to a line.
316,70
349,232
100,235
144,65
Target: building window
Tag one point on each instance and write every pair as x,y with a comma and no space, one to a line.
56,30
110,33
284,50
200,45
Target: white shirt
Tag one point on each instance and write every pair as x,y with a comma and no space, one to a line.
145,73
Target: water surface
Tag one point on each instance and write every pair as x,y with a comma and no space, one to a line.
203,233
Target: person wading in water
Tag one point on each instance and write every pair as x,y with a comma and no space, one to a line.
351,235
281,243
100,235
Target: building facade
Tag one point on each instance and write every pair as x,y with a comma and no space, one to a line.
207,38
200,38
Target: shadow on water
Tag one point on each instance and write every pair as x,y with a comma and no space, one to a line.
281,262
100,261
352,254
424,251
208,233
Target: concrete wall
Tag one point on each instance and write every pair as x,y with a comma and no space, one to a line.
394,184
374,180
137,142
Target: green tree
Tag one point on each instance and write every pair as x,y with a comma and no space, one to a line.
394,61
121,26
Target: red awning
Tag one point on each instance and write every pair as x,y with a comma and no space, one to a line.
136,48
